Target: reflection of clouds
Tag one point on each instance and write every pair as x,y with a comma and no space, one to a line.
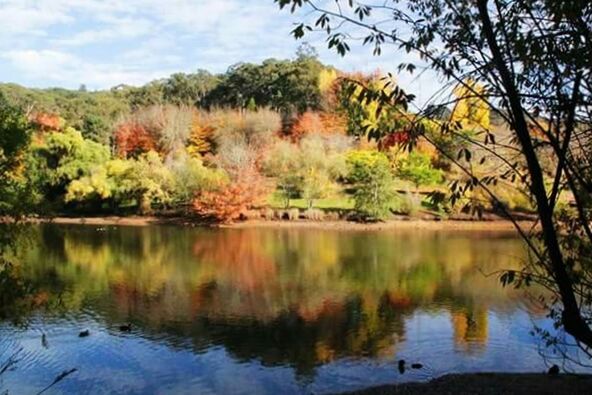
298,298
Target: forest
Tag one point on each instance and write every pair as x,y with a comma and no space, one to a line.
284,139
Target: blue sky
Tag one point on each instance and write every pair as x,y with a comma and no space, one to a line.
102,43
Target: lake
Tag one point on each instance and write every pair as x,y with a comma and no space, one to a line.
265,311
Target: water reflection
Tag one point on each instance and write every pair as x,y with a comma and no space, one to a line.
301,299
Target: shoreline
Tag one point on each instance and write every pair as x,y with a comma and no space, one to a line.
488,384
394,224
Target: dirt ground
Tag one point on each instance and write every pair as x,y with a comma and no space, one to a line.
487,225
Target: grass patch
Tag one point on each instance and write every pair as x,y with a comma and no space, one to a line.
335,203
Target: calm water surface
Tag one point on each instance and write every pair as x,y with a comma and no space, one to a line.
244,311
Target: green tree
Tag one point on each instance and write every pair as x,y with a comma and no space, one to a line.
282,161
285,86
188,89
103,184
309,170
190,177
417,168
95,128
62,157
320,165
149,182
372,179
15,136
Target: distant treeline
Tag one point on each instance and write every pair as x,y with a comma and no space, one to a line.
287,86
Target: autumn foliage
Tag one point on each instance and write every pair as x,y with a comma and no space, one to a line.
200,140
320,123
47,122
394,139
132,139
231,201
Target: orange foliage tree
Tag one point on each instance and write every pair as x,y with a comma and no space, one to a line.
398,138
46,122
132,139
323,123
231,201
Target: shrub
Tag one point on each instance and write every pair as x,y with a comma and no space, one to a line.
293,214
268,213
410,204
278,214
314,214
250,214
417,168
331,215
372,180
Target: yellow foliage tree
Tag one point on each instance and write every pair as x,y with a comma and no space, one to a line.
327,79
200,138
470,109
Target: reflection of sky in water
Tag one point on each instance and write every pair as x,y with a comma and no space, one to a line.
301,313
112,362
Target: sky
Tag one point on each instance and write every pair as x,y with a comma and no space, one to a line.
104,43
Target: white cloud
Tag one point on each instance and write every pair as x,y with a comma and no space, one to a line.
107,42
17,18
117,29
57,67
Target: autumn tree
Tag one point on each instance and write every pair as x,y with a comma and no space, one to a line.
321,164
47,122
240,138
470,109
201,137
321,123
532,57
132,139
229,201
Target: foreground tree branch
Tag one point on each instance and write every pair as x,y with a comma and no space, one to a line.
533,57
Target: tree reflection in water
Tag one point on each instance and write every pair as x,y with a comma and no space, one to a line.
298,298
